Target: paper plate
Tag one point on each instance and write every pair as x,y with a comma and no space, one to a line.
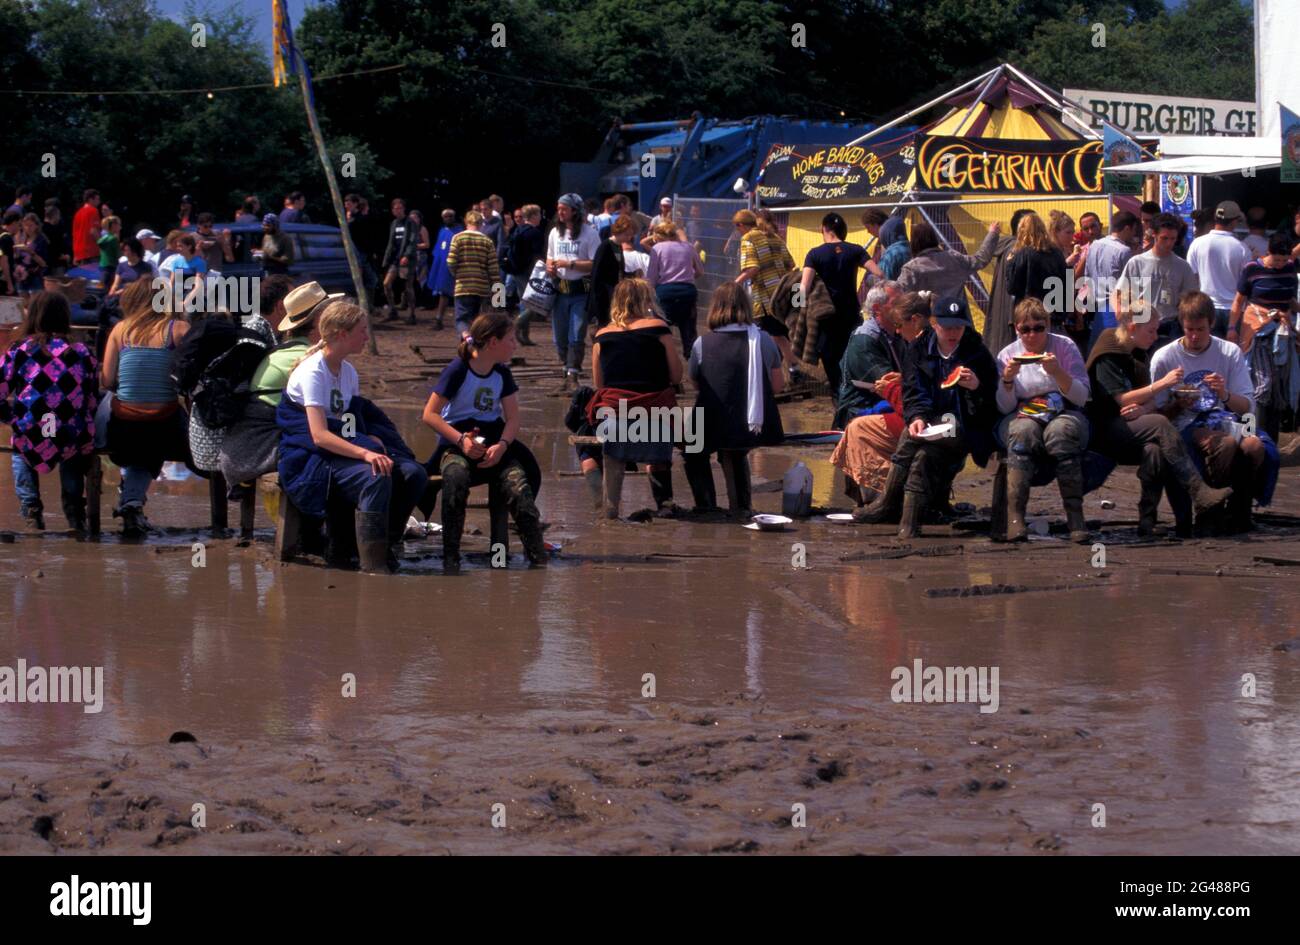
770,523
938,431
840,518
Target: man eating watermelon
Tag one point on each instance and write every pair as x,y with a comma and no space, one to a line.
949,382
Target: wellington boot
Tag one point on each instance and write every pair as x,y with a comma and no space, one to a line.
1069,479
1017,503
372,542
887,505
909,522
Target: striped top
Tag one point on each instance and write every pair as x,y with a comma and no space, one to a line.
1264,285
769,254
472,259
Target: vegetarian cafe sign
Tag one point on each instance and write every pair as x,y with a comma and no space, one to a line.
1008,166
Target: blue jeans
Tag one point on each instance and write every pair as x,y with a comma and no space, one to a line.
677,299
393,495
27,482
467,308
135,486
569,324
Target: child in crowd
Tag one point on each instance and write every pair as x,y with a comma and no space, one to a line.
334,441
475,410
49,388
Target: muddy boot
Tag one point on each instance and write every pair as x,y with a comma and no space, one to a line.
74,510
34,516
438,324
521,333
134,524
1148,507
596,487
1017,503
1204,496
372,541
1069,479
909,521
613,481
887,505
661,489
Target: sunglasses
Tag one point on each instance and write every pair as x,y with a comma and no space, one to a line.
1031,329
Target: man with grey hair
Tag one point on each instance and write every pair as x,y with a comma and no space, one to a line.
874,350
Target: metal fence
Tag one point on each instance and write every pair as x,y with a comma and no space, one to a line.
708,222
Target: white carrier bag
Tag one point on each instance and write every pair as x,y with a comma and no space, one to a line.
539,294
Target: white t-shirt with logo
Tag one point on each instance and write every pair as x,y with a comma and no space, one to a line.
312,384
562,247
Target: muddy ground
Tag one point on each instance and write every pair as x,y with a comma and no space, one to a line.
1119,685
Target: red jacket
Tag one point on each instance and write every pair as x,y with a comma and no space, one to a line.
85,233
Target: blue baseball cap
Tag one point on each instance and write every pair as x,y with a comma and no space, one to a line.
951,311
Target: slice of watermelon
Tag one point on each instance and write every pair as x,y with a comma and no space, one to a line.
952,378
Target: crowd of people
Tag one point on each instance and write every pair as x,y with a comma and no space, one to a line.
1098,351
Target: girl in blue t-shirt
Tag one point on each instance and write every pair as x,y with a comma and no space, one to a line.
475,410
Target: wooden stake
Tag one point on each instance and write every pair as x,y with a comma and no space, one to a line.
354,264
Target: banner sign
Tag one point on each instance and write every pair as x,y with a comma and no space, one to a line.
835,174
1178,195
1008,166
1163,115
1290,126
1121,149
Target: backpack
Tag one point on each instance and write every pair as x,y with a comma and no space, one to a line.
214,367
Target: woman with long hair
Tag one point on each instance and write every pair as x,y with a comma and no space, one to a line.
635,368
1037,271
570,254
146,426
49,389
362,459
737,369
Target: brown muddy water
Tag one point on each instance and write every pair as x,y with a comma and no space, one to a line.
1120,686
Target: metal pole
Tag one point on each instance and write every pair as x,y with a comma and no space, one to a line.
354,264
927,105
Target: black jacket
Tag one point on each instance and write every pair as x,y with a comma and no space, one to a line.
976,411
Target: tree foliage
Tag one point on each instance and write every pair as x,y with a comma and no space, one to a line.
491,95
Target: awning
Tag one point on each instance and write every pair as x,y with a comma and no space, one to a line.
1210,165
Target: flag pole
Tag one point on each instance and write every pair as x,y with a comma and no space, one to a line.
354,264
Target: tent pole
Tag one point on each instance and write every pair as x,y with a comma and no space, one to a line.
979,98
918,110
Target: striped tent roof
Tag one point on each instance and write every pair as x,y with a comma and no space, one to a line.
1007,108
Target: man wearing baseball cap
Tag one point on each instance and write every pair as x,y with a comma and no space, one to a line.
150,240
949,383
665,214
1217,258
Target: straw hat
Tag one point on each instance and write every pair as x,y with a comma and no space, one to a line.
300,304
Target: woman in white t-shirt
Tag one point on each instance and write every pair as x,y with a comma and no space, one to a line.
324,384
570,251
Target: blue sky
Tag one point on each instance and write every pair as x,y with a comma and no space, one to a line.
259,9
